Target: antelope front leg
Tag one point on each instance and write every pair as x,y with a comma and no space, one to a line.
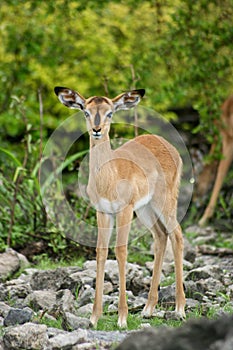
123,226
105,225
160,239
177,247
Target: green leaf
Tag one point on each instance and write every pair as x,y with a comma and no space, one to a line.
11,156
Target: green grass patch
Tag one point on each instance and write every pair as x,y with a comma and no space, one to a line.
138,257
51,322
108,322
44,262
1,331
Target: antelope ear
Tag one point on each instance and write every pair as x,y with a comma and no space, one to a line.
70,98
128,99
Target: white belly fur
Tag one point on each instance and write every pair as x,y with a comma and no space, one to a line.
114,207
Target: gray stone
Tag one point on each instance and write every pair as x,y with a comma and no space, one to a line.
67,340
23,261
3,292
9,264
112,272
113,307
149,265
210,287
190,251
138,283
208,283
134,271
109,299
159,313
106,337
108,288
90,265
41,300
86,276
17,290
205,272
191,303
54,280
65,301
86,296
230,291
199,334
168,268
72,322
1,345
85,310
187,265
134,302
167,294
84,346
172,315
208,239
28,336
52,332
27,274
228,344
203,288
4,309
18,316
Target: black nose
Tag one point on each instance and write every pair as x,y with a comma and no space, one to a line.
96,131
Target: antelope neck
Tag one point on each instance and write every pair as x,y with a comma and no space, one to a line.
100,153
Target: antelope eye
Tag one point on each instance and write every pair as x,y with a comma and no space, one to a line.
109,115
87,115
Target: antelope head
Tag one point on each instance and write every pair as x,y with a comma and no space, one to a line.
98,110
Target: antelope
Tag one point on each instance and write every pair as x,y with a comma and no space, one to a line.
226,132
141,176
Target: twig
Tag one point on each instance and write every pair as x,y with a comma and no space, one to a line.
105,83
17,183
41,130
133,86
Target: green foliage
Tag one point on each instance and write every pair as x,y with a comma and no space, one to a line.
23,217
180,51
22,206
201,41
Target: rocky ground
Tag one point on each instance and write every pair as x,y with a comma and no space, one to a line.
36,298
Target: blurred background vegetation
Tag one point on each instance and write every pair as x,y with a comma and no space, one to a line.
180,51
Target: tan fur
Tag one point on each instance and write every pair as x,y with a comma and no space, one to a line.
143,175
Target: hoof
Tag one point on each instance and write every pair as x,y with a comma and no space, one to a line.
147,312
122,322
180,313
94,320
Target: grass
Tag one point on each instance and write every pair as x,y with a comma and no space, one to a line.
108,322
43,262
1,331
137,256
50,322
